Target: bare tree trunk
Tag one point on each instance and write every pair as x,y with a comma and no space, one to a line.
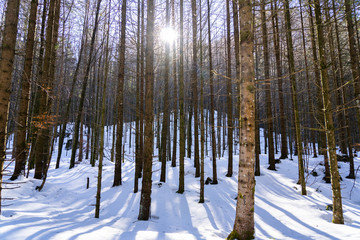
120,98
229,93
181,103
103,108
269,115
83,90
166,117
212,118
145,202
202,122
195,89
175,94
294,96
6,69
329,126
244,219
20,144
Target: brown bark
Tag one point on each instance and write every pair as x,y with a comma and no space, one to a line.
294,96
329,125
21,144
181,102
212,104
145,202
229,93
120,98
166,116
6,69
244,218
268,100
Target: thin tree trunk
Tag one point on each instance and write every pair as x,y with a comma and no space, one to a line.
275,23
329,126
212,118
290,50
120,98
103,108
269,115
195,89
166,117
202,122
83,90
229,93
175,94
145,200
181,103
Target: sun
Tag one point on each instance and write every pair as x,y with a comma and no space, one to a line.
168,35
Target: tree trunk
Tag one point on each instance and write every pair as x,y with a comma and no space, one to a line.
166,117
181,103
329,126
21,144
145,202
294,96
195,89
6,69
212,118
229,93
267,88
83,90
244,219
120,98
175,94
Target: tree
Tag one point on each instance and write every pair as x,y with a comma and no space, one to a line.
181,103
145,200
21,144
290,50
244,218
84,86
166,117
267,88
329,125
103,108
6,68
229,93
120,98
194,70
212,104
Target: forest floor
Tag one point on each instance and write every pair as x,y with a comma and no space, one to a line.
64,209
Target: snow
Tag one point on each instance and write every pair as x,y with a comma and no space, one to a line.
64,209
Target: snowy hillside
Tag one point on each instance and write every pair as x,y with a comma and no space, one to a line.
64,209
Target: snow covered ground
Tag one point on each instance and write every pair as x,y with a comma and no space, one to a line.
64,209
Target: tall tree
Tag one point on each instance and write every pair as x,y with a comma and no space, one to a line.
328,123
21,144
120,98
291,62
212,103
194,71
244,218
268,101
181,103
84,86
275,23
145,200
6,69
103,111
166,117
229,93
175,93
45,118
